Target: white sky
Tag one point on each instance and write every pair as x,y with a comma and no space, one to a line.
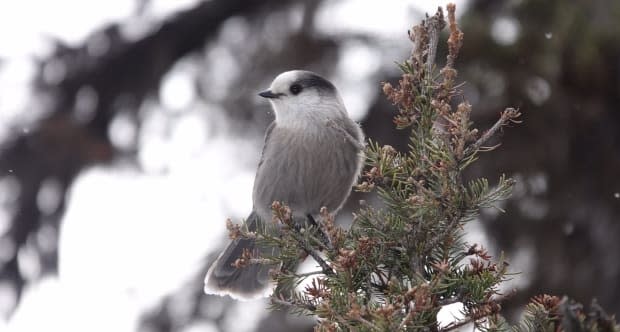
159,224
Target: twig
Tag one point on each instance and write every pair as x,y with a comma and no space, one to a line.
368,323
447,230
325,237
475,317
321,243
261,261
435,25
408,317
307,274
291,303
313,253
508,115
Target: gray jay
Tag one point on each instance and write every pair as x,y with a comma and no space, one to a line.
311,158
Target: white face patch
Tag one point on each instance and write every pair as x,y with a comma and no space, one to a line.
283,82
304,98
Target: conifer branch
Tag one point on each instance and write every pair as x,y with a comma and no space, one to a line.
508,115
398,265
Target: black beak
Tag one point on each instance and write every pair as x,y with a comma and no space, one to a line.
269,94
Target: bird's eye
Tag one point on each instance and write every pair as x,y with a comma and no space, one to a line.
295,89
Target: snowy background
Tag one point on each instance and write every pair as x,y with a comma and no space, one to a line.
136,168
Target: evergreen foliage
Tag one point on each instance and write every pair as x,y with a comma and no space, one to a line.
398,265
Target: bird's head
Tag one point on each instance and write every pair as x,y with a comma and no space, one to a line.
298,96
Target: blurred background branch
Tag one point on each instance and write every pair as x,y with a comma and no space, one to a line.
133,86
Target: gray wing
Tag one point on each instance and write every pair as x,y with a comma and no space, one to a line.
260,164
267,134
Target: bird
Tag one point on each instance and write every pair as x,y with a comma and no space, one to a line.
311,158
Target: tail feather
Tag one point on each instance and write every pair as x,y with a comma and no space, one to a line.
243,283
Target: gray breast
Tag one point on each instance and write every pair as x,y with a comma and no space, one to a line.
307,171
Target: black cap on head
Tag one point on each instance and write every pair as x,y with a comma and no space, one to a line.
308,79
